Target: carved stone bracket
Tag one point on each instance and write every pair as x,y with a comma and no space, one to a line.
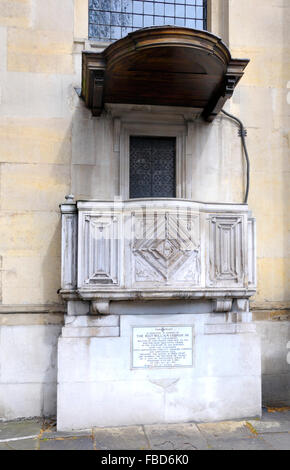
101,307
222,305
242,305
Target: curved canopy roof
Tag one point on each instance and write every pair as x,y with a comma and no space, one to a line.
164,66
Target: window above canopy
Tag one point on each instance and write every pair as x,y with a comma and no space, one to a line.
110,20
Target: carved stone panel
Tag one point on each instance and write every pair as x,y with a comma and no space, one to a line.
166,249
252,252
99,250
157,249
69,248
226,250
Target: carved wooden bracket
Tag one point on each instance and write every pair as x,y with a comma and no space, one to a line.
93,75
226,89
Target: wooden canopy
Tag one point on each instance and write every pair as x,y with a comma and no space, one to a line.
165,66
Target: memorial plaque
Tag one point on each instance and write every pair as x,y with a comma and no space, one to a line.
162,346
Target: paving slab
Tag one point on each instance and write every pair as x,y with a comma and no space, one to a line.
271,432
81,443
278,441
175,437
253,443
13,429
272,422
23,444
226,429
54,434
122,438
3,446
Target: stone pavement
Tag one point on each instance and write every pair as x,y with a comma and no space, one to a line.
272,432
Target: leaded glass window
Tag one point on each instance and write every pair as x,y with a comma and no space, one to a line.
152,167
110,20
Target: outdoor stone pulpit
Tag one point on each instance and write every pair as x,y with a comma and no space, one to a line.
158,327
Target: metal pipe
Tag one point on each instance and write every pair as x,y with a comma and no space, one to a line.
242,134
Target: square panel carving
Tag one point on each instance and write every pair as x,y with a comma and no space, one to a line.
166,248
99,250
226,250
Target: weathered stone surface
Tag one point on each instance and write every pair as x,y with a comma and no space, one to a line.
238,444
53,434
228,429
276,389
273,280
28,380
39,187
274,338
27,234
45,97
175,437
75,309
125,438
231,435
15,13
81,19
278,441
22,444
91,332
25,277
35,140
16,429
55,16
49,399
3,47
275,368
87,321
25,400
272,422
266,26
20,363
30,319
75,443
4,446
115,394
39,51
22,400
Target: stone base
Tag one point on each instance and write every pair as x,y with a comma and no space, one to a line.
97,385
28,357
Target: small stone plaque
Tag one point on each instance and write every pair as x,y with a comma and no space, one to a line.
162,346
